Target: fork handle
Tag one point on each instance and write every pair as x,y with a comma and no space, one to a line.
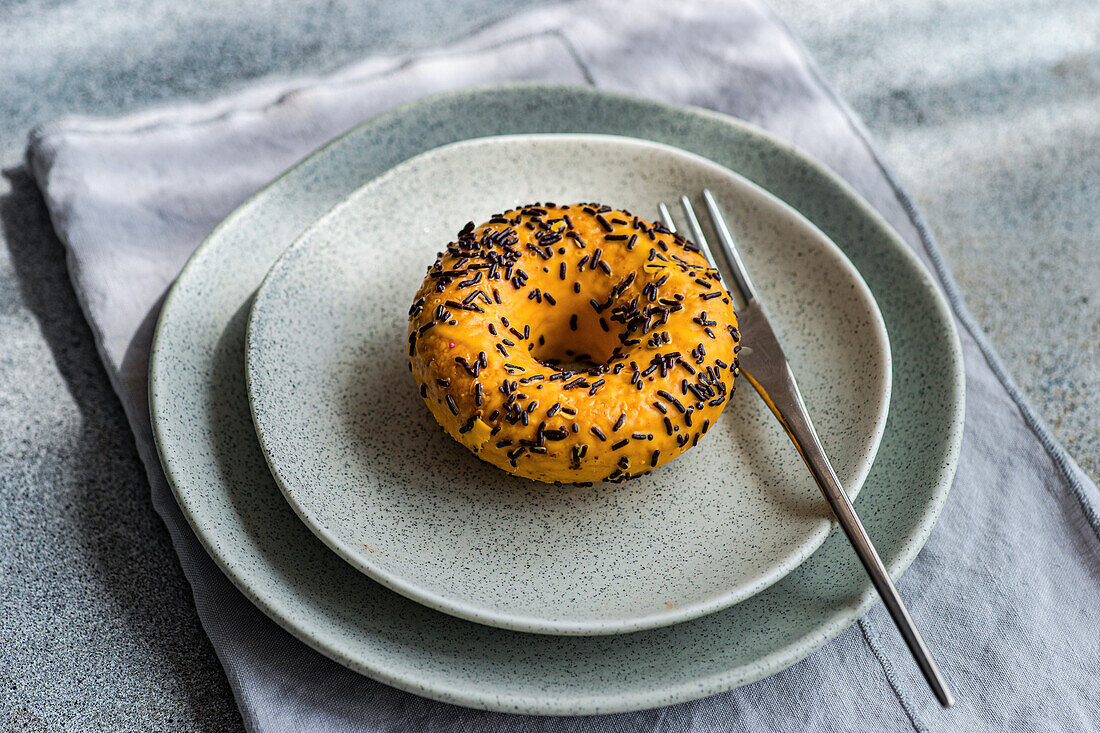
790,409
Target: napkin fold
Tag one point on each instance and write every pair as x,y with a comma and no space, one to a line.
1006,588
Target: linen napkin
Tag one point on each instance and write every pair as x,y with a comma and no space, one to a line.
1005,590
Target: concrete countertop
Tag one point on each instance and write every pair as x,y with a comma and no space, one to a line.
986,109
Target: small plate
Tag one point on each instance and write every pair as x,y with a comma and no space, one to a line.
364,464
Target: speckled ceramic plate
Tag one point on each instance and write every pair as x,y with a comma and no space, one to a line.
364,464
213,461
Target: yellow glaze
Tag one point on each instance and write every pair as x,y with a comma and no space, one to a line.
573,343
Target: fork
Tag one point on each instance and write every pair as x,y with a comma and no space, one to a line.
764,364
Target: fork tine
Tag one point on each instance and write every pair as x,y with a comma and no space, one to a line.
667,218
737,267
697,231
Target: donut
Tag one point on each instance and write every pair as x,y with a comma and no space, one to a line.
573,343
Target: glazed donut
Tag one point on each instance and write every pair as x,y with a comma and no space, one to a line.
573,343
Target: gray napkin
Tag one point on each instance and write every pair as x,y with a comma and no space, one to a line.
1006,589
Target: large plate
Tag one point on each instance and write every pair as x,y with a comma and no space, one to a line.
363,463
204,432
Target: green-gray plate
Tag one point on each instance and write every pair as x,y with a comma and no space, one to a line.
212,458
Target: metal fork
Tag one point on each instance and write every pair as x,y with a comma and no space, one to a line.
766,367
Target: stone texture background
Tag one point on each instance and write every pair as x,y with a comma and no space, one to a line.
987,109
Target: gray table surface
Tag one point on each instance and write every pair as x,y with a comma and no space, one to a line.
987,110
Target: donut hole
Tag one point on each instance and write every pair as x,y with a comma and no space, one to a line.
571,362
577,346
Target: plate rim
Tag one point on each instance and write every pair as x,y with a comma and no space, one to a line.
719,681
541,625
